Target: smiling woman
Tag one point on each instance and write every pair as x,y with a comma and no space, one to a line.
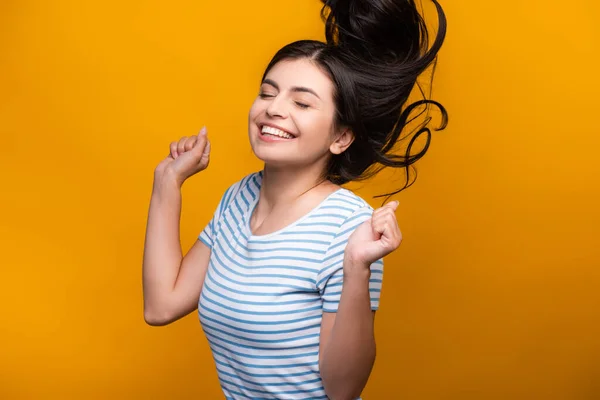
287,275
296,107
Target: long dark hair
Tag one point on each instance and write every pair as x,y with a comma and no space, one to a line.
374,52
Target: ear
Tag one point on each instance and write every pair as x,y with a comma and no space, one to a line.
344,139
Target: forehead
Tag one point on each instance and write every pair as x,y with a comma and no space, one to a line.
300,72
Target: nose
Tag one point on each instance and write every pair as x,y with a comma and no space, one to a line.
276,108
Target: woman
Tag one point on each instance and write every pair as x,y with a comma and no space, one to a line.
266,273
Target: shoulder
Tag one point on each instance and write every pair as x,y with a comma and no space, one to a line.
349,202
348,207
348,211
248,185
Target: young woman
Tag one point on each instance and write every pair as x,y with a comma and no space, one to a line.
287,274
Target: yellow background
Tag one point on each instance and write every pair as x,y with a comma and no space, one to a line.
495,293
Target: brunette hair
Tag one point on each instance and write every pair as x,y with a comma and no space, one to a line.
374,52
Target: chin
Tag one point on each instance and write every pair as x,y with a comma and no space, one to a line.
274,160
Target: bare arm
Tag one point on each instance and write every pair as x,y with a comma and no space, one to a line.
171,282
347,344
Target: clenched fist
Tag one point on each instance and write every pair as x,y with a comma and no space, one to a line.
375,238
187,157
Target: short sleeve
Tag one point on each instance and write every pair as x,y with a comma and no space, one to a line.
331,274
207,236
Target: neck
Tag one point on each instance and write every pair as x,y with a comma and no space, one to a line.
285,185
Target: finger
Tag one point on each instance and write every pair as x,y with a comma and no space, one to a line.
200,146
384,217
387,209
389,238
190,142
394,233
393,229
385,212
380,223
393,206
181,145
387,226
173,148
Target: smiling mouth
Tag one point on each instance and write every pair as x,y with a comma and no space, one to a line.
271,131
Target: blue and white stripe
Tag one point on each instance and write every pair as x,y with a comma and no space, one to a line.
264,296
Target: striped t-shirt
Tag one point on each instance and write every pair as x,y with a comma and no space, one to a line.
263,296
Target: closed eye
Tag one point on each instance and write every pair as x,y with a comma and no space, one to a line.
302,105
265,95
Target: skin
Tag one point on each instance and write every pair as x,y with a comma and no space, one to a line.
297,97
293,183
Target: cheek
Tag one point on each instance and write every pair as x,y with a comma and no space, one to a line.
255,110
321,127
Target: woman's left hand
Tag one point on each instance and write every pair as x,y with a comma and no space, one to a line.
375,238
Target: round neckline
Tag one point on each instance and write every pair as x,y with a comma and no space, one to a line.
253,206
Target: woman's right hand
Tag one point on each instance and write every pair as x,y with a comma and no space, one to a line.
187,157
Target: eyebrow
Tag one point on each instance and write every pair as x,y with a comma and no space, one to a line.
294,89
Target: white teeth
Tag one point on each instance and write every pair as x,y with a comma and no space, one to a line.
276,132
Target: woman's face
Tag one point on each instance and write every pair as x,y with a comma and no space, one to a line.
291,123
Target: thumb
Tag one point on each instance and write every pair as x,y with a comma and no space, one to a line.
394,205
206,151
201,136
200,145
374,251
